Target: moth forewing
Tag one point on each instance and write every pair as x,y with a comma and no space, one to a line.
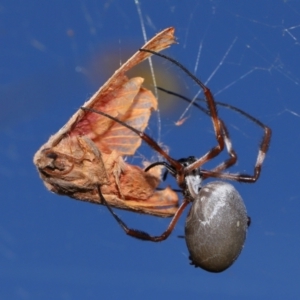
88,150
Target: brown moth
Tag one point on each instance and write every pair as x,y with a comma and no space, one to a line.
88,151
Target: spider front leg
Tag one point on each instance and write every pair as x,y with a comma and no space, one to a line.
141,235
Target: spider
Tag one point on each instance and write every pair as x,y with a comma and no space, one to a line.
221,237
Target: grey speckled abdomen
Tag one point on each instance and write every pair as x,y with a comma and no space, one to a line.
216,227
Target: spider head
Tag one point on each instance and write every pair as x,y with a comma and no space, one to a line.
192,181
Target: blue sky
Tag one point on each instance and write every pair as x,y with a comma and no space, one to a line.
57,54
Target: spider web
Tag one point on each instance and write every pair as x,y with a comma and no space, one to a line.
57,54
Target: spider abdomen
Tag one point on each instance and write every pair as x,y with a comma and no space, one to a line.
216,227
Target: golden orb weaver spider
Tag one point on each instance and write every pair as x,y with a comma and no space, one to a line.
217,222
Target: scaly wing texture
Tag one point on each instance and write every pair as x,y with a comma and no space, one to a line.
88,151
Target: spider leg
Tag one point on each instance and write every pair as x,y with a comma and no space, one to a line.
141,235
263,148
233,156
264,145
212,109
146,138
219,133
162,163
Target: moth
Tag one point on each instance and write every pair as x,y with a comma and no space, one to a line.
89,150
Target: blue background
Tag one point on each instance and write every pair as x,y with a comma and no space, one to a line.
53,57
